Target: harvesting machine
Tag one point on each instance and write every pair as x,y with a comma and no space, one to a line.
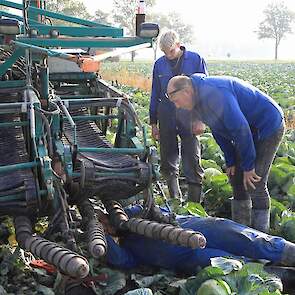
69,141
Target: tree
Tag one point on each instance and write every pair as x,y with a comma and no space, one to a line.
101,17
124,13
277,23
173,21
74,8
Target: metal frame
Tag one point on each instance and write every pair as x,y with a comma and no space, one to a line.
39,48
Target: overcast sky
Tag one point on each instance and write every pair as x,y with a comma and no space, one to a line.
223,26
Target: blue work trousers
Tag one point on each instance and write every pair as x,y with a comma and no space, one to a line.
224,238
265,154
174,123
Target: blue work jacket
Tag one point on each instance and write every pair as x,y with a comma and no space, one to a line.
238,114
162,73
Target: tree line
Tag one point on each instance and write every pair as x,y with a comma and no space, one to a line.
277,22
123,15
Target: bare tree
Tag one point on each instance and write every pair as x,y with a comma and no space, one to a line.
277,23
124,13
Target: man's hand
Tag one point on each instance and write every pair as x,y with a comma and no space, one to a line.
198,127
250,177
155,132
230,171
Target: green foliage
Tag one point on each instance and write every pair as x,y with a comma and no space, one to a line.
226,264
282,178
211,172
124,13
210,164
242,280
174,21
102,17
277,211
68,7
15,277
217,195
288,229
282,220
192,208
214,287
210,149
252,279
287,147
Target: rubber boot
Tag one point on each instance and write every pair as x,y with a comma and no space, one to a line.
173,187
241,211
286,274
261,219
194,192
288,255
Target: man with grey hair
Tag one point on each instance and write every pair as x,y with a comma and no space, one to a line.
248,126
167,123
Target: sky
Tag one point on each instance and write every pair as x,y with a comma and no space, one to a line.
222,26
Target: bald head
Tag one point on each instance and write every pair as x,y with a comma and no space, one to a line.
180,91
178,82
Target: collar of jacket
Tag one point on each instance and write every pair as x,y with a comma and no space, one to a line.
196,82
185,55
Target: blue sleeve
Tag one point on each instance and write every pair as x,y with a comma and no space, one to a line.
236,125
240,131
133,211
203,67
119,256
155,96
227,148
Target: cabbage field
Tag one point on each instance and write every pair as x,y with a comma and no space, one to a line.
277,80
227,276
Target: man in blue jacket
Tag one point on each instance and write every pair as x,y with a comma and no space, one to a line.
224,238
248,126
167,124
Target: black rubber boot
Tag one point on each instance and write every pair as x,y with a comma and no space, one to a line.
173,187
261,219
286,274
241,211
194,192
288,256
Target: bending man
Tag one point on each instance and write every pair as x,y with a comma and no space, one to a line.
248,126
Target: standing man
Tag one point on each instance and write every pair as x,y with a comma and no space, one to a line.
167,123
248,126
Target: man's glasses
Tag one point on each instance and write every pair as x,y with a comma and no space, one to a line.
168,95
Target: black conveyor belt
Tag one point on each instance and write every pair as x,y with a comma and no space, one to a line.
89,135
19,183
